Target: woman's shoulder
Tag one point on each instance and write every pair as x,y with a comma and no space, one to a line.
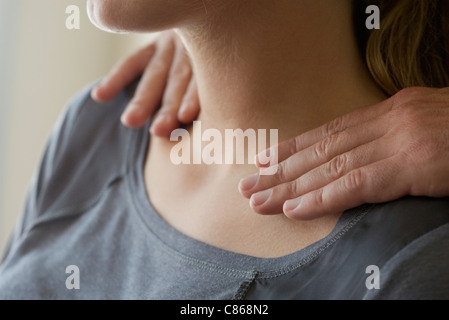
415,234
401,246
414,216
86,150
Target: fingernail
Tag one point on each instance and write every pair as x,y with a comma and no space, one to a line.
184,107
247,184
129,109
161,120
263,158
292,205
260,198
268,157
94,92
124,115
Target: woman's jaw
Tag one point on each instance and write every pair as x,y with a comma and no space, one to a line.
288,65
143,15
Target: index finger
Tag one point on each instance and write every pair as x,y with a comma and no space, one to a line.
122,74
294,145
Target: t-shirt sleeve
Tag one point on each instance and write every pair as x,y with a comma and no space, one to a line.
59,137
85,151
420,271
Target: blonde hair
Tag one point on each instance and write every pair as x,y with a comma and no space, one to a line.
411,48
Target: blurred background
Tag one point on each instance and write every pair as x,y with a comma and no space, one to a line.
42,65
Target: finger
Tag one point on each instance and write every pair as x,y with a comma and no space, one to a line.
294,145
341,165
123,74
178,81
319,177
316,155
379,182
190,107
151,87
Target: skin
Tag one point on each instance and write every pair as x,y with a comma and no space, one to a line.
377,154
303,144
427,177
167,70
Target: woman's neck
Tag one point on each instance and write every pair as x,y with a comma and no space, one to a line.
286,65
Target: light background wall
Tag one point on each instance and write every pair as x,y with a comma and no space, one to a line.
42,65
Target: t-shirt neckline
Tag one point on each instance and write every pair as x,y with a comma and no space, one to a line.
200,253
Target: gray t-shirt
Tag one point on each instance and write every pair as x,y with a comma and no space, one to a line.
90,232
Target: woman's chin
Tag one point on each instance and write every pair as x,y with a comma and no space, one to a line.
132,16
93,12
103,15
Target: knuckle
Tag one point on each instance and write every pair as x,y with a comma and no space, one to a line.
408,94
319,198
297,145
294,188
333,126
321,149
294,145
353,180
281,173
336,167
